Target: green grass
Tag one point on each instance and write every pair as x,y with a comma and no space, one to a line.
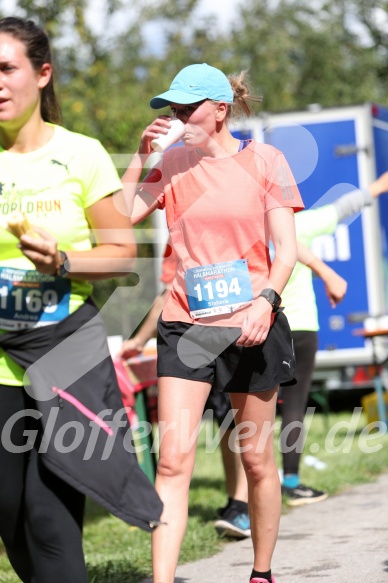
118,553
354,453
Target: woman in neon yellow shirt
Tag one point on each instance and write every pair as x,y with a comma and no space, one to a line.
64,183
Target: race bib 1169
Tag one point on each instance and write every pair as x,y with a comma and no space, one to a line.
29,299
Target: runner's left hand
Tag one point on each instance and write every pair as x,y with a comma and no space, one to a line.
256,323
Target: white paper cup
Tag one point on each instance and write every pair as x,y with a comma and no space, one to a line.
176,131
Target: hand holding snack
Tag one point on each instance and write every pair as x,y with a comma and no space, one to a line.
35,243
18,224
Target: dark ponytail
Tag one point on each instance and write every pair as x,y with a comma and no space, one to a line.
38,51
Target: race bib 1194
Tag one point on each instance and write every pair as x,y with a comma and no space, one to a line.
219,288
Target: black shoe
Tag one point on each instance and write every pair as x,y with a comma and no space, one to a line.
221,511
303,495
232,506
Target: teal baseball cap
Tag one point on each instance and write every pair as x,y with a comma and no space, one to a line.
195,83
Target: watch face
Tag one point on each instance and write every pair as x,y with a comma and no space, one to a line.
62,270
277,300
272,297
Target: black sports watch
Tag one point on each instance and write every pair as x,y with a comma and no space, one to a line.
272,297
63,267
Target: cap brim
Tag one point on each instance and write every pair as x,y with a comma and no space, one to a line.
175,96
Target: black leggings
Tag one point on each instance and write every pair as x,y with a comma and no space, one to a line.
40,515
294,400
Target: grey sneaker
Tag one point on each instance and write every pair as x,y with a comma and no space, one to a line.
303,495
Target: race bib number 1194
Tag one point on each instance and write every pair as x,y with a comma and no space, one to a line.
219,288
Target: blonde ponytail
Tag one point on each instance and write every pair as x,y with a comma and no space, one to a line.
241,106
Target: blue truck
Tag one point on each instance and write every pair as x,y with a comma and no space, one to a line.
331,151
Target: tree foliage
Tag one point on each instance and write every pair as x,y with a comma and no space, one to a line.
298,52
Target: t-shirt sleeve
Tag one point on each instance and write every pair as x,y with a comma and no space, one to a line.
281,188
314,222
99,175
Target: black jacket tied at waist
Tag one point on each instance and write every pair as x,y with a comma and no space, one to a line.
86,439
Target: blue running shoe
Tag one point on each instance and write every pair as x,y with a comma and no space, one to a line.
237,526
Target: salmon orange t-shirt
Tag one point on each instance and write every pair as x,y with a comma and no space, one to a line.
216,214
169,266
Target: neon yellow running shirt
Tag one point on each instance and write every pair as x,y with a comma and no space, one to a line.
53,186
298,297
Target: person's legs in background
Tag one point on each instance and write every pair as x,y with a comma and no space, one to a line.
292,408
233,518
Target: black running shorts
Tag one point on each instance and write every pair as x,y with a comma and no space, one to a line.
210,354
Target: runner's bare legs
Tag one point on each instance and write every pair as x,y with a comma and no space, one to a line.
262,475
180,408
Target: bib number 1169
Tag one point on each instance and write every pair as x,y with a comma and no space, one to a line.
33,301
